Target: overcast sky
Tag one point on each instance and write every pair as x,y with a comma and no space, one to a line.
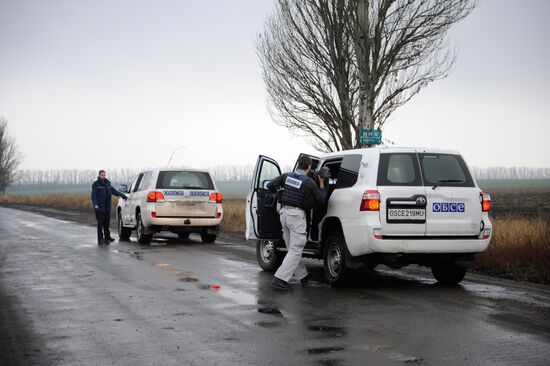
92,84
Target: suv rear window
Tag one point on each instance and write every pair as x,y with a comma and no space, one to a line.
399,169
184,180
449,170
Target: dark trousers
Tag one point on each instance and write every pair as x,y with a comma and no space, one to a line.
103,221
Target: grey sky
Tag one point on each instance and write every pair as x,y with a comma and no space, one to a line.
89,84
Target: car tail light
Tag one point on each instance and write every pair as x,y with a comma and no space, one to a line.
377,233
155,196
370,201
153,214
218,215
216,196
486,233
485,199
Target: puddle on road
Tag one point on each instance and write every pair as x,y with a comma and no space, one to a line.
270,309
324,350
134,254
239,297
329,331
188,279
181,274
388,352
264,324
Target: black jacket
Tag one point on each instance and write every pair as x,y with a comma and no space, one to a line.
101,194
312,195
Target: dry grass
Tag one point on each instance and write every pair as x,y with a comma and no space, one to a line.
234,216
520,248
76,202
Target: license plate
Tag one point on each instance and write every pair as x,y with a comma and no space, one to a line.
185,204
396,214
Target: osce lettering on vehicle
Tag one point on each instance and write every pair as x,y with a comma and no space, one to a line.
199,194
174,193
448,207
293,182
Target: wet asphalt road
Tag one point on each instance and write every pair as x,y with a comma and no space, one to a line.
66,301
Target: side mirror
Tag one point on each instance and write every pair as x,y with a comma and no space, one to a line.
123,188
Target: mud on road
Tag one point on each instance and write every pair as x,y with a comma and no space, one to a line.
66,301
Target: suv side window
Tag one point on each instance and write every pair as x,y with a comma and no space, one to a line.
349,171
334,166
144,181
136,183
399,169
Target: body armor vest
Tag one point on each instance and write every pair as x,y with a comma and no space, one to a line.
294,192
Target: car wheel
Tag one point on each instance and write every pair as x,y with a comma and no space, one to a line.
269,258
123,232
208,238
448,273
142,238
335,260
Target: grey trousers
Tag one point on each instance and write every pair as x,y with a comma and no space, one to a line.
294,226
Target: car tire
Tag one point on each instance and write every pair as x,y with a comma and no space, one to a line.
208,238
269,258
142,238
334,262
448,273
124,233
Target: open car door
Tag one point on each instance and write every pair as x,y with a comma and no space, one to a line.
262,218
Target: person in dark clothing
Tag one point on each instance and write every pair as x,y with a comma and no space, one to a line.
101,199
299,195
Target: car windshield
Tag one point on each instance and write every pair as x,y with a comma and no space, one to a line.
184,180
445,169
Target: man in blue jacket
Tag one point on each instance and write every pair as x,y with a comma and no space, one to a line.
101,199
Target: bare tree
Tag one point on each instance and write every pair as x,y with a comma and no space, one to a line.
9,157
332,67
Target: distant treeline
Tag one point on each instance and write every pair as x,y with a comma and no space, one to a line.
28,177
233,173
511,173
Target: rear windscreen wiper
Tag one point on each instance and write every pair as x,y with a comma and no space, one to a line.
445,181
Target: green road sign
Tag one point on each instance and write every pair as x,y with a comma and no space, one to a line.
370,137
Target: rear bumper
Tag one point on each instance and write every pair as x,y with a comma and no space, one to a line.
427,246
360,240
182,221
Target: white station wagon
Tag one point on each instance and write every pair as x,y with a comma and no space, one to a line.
392,206
176,200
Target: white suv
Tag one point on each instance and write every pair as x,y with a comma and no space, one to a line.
176,200
392,206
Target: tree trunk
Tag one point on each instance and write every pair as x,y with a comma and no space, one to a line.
366,109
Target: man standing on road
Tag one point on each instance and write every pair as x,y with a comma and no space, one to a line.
299,195
101,199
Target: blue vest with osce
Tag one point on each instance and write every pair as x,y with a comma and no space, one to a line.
294,192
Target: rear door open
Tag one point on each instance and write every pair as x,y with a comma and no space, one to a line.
262,217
